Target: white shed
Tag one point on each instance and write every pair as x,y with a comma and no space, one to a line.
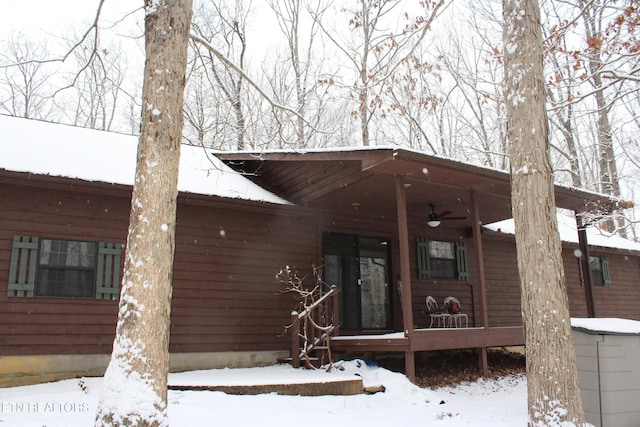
608,359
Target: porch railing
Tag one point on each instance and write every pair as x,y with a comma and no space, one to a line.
311,330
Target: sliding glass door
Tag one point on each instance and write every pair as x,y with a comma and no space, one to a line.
360,267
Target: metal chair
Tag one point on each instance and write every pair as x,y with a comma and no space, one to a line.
439,313
456,316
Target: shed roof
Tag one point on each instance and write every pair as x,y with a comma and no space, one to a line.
606,326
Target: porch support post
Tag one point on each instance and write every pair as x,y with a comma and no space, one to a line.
584,265
476,226
405,275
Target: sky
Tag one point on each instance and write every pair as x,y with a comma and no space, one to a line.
53,16
49,20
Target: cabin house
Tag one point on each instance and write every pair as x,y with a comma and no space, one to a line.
389,227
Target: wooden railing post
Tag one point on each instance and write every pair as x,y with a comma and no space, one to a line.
295,339
316,316
335,311
310,325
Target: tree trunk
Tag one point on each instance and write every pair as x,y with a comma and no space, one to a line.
553,391
135,384
609,180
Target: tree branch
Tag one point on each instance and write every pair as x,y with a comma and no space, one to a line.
204,43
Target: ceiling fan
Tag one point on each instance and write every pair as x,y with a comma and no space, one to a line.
434,219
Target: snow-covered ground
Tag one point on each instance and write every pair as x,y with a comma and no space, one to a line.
496,403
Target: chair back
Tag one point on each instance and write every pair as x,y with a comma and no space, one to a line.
452,305
431,302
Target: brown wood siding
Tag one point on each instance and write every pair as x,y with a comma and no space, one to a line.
575,289
503,283
465,291
304,181
56,325
225,296
622,299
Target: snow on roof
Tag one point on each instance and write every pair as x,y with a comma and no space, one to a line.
68,151
611,325
568,233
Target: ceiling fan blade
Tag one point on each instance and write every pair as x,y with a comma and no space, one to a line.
447,218
443,214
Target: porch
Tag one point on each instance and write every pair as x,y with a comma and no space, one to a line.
355,190
315,334
431,339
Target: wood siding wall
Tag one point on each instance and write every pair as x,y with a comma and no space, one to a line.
56,325
226,296
465,291
622,299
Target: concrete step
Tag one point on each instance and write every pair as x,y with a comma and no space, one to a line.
321,388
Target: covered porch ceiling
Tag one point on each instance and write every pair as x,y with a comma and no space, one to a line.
363,180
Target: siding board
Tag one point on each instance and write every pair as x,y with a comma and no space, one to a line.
226,296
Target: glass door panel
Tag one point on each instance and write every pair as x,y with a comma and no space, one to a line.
374,288
359,267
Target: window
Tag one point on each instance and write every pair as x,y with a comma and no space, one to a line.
599,269
64,268
441,259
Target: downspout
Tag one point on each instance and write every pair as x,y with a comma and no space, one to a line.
405,274
584,262
476,226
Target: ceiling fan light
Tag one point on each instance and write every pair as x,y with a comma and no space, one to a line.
433,221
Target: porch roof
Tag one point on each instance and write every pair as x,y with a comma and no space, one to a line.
362,179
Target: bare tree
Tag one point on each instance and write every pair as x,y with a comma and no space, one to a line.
413,98
224,27
140,358
25,81
593,56
97,90
592,15
552,377
475,100
375,49
301,33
